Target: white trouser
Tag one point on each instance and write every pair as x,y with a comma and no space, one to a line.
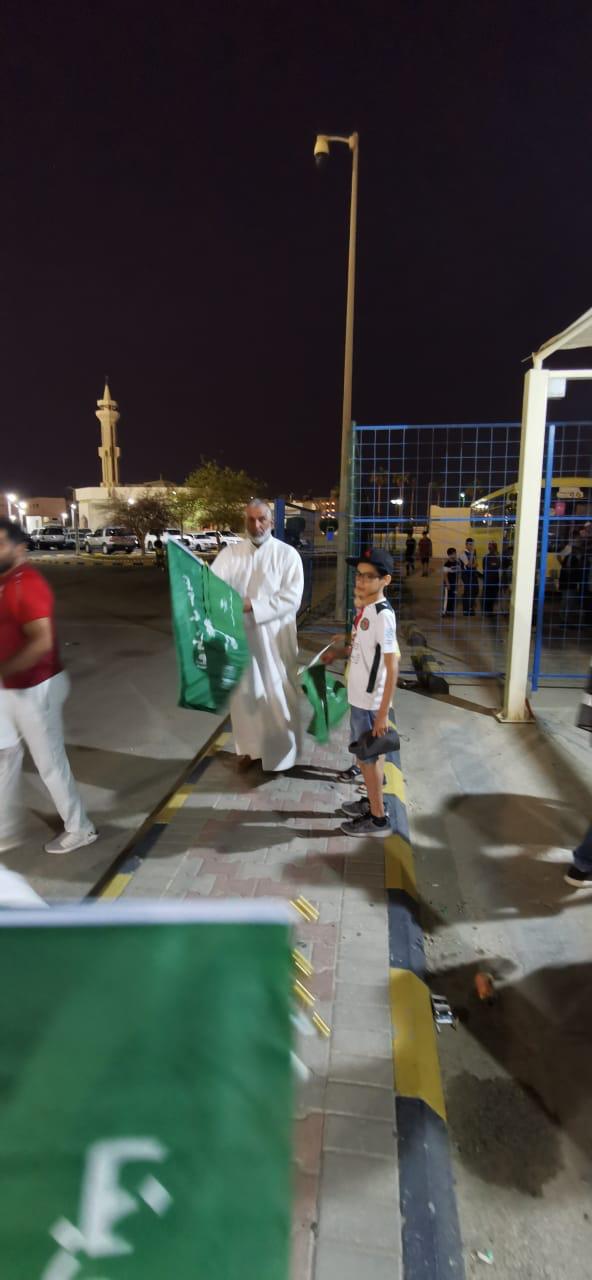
34,716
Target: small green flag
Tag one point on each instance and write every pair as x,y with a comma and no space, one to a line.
210,639
327,695
146,1101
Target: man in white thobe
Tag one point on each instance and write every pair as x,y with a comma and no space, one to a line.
264,709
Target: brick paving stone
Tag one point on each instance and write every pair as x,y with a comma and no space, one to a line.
335,1261
361,1101
303,1242
308,1142
265,836
357,1134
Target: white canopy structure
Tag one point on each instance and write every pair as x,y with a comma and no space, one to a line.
538,385
579,334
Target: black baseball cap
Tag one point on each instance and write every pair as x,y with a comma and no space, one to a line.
376,556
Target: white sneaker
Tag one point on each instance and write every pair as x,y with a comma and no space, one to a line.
71,840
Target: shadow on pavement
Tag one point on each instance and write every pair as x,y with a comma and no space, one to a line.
539,1032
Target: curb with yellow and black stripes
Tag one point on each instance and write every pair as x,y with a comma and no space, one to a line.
431,1239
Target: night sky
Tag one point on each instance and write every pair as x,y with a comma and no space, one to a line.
163,221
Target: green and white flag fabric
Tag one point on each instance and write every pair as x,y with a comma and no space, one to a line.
146,1102
210,639
327,695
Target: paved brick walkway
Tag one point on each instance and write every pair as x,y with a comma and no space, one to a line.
252,835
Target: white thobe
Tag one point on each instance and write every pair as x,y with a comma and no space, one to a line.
264,708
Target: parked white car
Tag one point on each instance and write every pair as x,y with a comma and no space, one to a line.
212,540
202,542
150,538
108,539
49,537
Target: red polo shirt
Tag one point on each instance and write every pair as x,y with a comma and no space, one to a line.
25,596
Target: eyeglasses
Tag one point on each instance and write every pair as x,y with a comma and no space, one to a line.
370,577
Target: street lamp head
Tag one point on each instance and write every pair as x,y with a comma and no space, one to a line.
321,150
11,497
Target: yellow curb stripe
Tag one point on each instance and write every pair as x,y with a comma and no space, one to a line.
415,1055
394,785
175,803
399,866
115,887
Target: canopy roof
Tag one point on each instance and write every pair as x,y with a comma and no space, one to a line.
578,334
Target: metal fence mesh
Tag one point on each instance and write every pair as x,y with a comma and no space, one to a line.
459,482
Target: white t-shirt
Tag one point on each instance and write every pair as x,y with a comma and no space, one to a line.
374,634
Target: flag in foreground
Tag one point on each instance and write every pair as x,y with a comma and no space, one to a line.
146,1103
212,649
327,695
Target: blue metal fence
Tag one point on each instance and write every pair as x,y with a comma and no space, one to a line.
460,481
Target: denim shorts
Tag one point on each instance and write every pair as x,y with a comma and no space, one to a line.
359,722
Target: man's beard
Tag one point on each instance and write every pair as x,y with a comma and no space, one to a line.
259,538
7,564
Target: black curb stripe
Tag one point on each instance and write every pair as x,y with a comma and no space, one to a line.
430,1233
432,1245
406,946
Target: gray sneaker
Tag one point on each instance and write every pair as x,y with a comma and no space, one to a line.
356,808
364,826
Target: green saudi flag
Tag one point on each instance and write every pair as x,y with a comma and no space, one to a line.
327,695
210,639
146,1102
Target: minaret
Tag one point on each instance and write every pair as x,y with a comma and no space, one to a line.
109,452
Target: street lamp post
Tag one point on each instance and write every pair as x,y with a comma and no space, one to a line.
321,153
74,510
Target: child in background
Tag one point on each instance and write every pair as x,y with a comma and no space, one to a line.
451,571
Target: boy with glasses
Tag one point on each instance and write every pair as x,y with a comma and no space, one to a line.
371,682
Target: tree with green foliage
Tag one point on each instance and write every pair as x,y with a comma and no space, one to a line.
184,508
221,494
150,514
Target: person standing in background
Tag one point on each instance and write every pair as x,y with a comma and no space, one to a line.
451,570
492,572
410,554
579,875
470,577
425,553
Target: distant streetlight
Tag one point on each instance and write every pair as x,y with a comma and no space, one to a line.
10,499
397,502
131,502
74,511
321,155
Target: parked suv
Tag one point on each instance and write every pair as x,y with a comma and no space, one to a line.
109,539
50,537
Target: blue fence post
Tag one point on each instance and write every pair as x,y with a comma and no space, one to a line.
279,522
538,635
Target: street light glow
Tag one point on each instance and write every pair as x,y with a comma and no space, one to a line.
11,497
397,502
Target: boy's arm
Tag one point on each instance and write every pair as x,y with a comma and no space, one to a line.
381,724
340,647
